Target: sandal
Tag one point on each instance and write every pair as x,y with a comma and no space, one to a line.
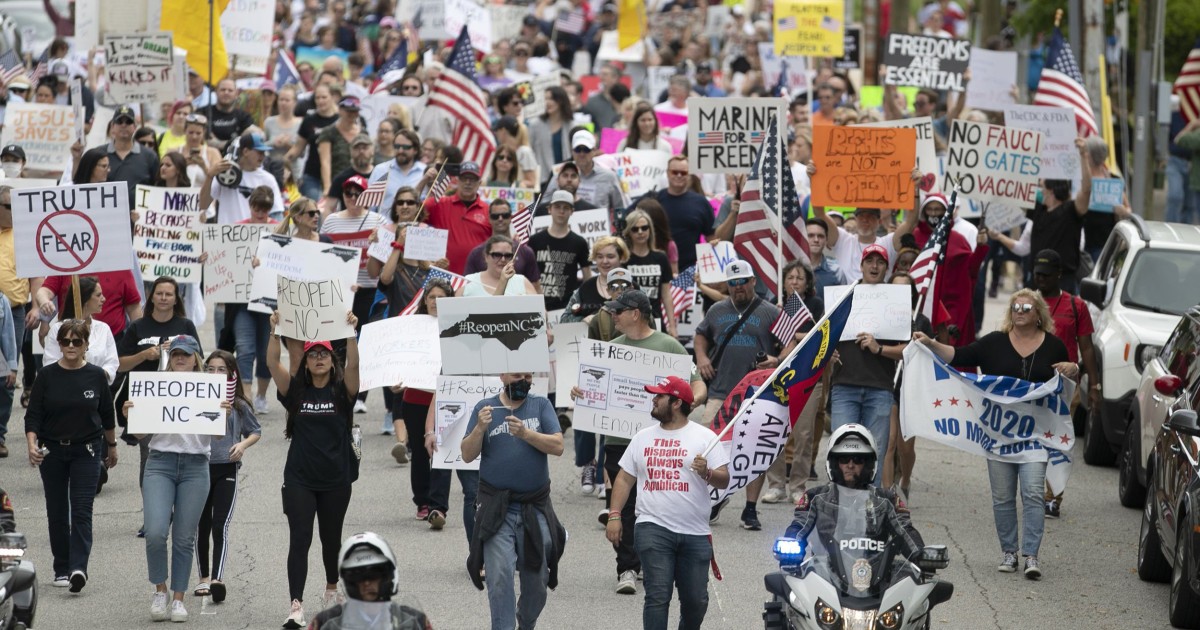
201,590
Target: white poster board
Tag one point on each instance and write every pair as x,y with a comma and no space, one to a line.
454,400
1060,158
990,163
724,134
712,259
140,67
658,78
176,402
313,310
399,350
927,158
381,249
477,19
166,237
592,225
993,77
493,334
1003,217
425,243
72,230
799,79
538,85
639,171
564,351
884,310
248,28
229,269
45,132
301,260
613,379
506,20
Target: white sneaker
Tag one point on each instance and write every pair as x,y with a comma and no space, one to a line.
260,405
587,476
158,606
774,495
360,406
627,583
61,581
295,619
179,614
333,597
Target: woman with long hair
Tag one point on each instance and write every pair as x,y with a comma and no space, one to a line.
503,170
92,167
333,143
302,221
511,134
172,171
282,128
322,459
325,114
662,231
649,266
500,277
242,431
176,134
102,348
385,139
199,155
550,134
644,132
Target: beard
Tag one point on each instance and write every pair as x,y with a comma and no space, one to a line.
662,415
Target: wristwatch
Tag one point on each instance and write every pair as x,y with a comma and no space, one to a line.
111,444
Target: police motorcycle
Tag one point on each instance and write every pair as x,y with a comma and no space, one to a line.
852,565
18,578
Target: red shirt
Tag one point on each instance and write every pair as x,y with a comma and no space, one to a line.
119,291
468,224
1071,321
954,287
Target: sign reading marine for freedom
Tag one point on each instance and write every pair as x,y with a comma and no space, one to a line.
72,229
493,334
930,62
724,133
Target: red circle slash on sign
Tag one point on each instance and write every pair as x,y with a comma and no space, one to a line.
67,241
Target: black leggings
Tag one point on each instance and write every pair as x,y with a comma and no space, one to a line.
419,466
218,511
301,505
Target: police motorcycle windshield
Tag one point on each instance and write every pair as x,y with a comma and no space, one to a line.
850,546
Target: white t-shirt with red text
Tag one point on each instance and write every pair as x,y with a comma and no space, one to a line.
669,493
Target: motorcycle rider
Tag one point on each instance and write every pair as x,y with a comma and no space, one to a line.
370,577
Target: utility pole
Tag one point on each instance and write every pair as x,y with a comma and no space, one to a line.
1093,49
991,14
1148,72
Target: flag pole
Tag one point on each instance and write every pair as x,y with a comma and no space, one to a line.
783,172
932,277
816,329
421,210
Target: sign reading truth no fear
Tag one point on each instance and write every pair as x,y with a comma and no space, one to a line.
72,230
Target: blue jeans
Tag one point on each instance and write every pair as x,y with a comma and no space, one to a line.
251,332
672,559
502,556
6,393
1181,200
585,452
311,186
70,475
1004,477
868,406
174,490
439,494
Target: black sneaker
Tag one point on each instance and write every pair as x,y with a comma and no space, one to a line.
750,520
715,513
78,581
1052,509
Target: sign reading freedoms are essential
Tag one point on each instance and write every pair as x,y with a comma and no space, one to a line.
493,334
937,63
994,163
71,229
724,134
863,167
399,350
140,67
312,310
45,132
166,236
177,402
229,267
613,379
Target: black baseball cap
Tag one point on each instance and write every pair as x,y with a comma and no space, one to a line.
630,299
12,150
1047,262
124,111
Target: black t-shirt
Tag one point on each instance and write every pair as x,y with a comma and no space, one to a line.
590,301
690,216
994,354
861,368
1096,228
649,273
145,332
559,260
320,456
1057,230
402,287
70,404
310,127
228,125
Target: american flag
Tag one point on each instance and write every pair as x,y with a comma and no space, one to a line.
456,282
438,189
710,137
1187,86
373,195
769,193
1062,85
571,22
458,95
683,291
11,66
787,23
41,67
925,266
231,389
522,222
793,316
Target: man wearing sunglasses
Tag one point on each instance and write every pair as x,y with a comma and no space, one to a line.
465,214
128,161
500,214
362,154
597,185
405,170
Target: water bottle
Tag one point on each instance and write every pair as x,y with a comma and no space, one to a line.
356,437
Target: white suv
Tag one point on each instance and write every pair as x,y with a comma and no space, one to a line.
1147,276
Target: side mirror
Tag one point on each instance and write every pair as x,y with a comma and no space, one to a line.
1185,422
1168,385
941,593
1094,291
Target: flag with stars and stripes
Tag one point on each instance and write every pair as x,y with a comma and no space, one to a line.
522,222
373,195
458,95
456,282
572,22
1061,85
769,200
1187,85
931,257
683,291
794,314
41,67
438,189
11,66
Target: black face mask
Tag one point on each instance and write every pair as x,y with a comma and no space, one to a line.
518,390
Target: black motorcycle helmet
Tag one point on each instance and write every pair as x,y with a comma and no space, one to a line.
852,439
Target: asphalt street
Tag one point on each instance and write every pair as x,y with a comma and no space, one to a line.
1088,555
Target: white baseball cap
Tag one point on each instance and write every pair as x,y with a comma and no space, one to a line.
738,269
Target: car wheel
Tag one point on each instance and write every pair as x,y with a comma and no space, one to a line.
1151,564
1184,607
1129,490
1096,449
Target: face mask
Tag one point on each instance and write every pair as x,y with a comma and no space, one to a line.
518,390
1039,196
11,169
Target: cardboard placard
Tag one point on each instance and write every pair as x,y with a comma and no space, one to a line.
851,58
927,158
425,243
799,78
1059,157
1106,193
864,167
884,310
993,163
71,229
45,132
312,310
639,171
564,353
454,400
538,87
1002,217
229,268
140,67
613,379
493,334
248,27
399,350
166,237
301,260
381,249
993,76
657,80
712,259
810,27
724,134
506,21
937,63
176,402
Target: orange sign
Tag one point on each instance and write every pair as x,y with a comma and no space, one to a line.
863,167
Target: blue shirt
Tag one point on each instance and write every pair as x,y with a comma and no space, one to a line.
397,177
828,274
508,462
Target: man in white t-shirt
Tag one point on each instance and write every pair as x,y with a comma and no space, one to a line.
673,480
233,201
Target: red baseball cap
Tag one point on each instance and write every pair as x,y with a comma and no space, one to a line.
875,249
309,345
673,386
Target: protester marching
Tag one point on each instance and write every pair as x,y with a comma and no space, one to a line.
638,257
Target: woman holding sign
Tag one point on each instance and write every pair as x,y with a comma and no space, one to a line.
500,277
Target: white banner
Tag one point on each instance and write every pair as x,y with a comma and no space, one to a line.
176,402
999,417
72,230
493,334
613,379
302,260
140,67
399,350
564,352
229,269
167,236
884,310
538,86
425,243
44,132
247,26
313,310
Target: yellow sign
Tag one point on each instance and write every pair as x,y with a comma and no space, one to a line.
813,28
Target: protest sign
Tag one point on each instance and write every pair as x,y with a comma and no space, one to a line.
639,170
564,352
610,139
799,79
712,259
1059,156
506,21
613,379
516,197
810,27
140,67
301,260
166,237
864,167
477,19
610,49
44,132
658,78
1106,193
493,334
927,158
454,400
871,96
724,134
538,87
71,229
381,249
937,63
77,111
993,163
247,26
851,58
425,243
177,402
229,269
359,240
312,310
884,310
993,77
399,350
670,120
375,108
592,225
1002,217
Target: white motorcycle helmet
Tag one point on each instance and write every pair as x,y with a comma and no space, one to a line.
851,439
367,555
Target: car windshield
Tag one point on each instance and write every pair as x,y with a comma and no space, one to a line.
1163,281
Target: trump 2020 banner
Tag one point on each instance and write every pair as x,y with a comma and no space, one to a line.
999,417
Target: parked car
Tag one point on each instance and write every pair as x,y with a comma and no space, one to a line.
1147,276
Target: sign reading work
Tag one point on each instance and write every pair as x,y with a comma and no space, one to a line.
592,225
613,379
937,63
724,134
72,229
176,402
229,267
312,310
863,167
166,236
140,67
994,163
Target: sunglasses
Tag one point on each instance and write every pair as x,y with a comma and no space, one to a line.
406,202
147,143
501,216
74,342
855,459
1022,308
521,53
618,311
639,228
501,255
123,121
311,213
679,173
506,158
197,118
353,194
582,150
737,282
403,147
618,286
